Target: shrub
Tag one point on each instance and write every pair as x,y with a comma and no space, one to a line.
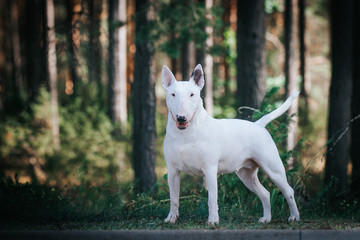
88,152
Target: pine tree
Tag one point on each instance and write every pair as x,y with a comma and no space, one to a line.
250,36
143,102
337,156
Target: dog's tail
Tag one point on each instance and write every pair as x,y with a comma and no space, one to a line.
278,112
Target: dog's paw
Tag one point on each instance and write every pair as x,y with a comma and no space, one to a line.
171,218
213,220
294,218
264,220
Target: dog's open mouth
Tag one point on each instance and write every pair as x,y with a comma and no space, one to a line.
182,125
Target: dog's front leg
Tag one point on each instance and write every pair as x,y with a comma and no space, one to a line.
174,187
211,182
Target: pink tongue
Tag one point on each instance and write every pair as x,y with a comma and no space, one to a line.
181,125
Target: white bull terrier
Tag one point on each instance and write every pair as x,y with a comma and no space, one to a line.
200,145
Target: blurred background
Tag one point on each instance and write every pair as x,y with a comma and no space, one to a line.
81,102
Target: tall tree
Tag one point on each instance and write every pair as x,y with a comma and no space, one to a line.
73,8
130,42
304,101
188,59
172,38
355,128
2,56
337,156
94,52
227,5
143,101
291,68
15,37
50,40
250,45
11,79
32,48
117,90
209,61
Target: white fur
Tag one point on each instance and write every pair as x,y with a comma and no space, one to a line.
204,146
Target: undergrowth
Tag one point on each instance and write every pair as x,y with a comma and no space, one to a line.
35,206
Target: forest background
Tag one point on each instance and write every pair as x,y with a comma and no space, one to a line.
83,113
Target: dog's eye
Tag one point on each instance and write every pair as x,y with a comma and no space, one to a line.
191,95
173,94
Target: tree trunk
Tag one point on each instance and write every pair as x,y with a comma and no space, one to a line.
337,155
130,41
226,19
73,42
188,60
17,74
11,78
174,66
304,101
3,55
209,62
302,48
117,62
94,53
6,55
52,71
144,102
122,96
355,128
250,35
175,60
291,70
32,48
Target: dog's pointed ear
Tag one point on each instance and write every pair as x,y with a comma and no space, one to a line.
198,76
167,77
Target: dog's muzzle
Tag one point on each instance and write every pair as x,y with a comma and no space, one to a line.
181,122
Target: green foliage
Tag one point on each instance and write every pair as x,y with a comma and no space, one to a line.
179,22
230,45
330,203
20,136
88,149
273,6
230,53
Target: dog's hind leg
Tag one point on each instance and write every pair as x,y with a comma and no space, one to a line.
250,179
276,172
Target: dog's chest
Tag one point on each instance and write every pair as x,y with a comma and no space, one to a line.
187,158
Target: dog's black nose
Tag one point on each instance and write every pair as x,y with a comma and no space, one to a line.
181,119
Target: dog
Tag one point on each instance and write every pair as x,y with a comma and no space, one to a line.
200,145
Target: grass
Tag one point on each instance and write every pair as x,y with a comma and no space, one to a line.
39,207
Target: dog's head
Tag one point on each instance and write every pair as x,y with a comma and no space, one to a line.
183,98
